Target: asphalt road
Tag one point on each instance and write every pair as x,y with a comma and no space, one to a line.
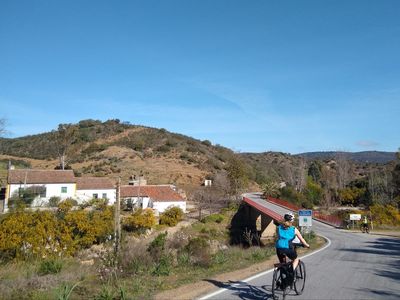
351,266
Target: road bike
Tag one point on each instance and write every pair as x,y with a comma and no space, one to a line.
364,228
283,282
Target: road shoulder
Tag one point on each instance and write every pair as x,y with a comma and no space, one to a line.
209,285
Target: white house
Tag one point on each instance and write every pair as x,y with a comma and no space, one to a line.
158,197
88,188
49,183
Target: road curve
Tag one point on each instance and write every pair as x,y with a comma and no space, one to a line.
351,266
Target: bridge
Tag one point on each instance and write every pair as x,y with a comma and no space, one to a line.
254,219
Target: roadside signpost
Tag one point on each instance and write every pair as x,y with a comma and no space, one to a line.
355,217
305,220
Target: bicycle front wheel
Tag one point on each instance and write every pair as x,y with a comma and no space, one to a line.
300,278
278,286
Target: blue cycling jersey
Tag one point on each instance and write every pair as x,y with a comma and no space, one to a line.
285,237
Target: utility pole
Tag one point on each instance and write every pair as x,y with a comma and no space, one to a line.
117,218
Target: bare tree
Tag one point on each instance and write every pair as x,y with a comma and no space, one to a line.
64,138
2,127
378,186
301,174
210,198
203,199
343,169
296,174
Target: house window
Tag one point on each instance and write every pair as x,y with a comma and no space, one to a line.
42,193
63,189
95,196
104,196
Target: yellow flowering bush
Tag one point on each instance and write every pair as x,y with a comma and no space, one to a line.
139,220
25,234
385,215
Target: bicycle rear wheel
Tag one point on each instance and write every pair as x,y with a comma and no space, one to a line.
279,290
300,278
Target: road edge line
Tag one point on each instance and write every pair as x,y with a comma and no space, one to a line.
266,272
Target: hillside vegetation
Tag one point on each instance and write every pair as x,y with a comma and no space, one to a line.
113,148
120,149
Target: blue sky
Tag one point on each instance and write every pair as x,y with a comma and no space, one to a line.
254,76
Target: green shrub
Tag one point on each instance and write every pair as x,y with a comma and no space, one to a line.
163,266
54,201
50,266
220,258
215,218
171,216
199,251
157,246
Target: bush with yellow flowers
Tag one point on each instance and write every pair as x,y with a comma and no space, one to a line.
139,221
25,234
171,216
385,215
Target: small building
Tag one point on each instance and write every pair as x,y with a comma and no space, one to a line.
88,188
207,182
137,180
47,183
158,197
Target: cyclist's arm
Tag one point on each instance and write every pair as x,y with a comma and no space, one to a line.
302,240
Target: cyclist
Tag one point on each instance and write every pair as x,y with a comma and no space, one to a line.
365,223
287,233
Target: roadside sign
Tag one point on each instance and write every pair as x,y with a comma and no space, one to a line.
355,217
305,217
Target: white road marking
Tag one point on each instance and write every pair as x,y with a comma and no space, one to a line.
265,272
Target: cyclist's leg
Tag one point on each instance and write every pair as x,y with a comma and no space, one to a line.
281,255
292,254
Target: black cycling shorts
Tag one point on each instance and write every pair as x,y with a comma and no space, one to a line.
282,252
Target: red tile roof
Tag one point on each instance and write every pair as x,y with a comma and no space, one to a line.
40,176
155,192
94,183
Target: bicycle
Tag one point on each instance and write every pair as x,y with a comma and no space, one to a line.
282,282
364,228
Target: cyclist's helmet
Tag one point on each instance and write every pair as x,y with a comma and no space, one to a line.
289,216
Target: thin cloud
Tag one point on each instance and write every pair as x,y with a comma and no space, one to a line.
367,144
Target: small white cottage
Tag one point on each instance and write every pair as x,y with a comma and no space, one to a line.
158,197
48,183
88,188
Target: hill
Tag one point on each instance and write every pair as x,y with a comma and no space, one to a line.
113,148
379,157
120,149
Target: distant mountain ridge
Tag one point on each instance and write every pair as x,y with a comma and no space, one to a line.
380,157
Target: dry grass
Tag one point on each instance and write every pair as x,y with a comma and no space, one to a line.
22,280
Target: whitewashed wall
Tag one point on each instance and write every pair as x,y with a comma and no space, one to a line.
52,190
162,206
85,195
143,202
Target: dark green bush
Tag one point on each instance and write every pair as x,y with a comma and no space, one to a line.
214,218
199,251
50,266
54,201
163,266
157,246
